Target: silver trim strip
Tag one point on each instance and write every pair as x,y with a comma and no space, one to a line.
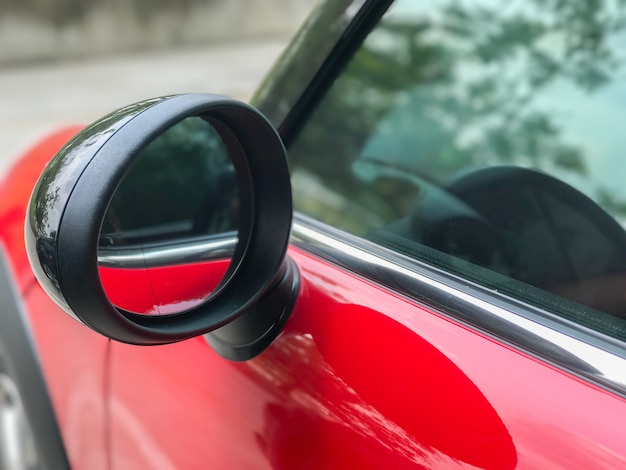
566,352
190,251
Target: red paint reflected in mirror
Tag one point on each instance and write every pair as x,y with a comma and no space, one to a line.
171,226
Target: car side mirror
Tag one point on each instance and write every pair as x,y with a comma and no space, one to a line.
169,219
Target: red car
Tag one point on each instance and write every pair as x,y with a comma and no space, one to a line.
449,293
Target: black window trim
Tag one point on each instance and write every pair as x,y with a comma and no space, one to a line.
580,351
351,40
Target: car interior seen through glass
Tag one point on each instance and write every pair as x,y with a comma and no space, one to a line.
485,138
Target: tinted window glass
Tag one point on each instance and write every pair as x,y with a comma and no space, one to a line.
484,137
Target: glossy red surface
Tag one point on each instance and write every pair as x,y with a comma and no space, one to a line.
74,361
361,378
163,290
73,358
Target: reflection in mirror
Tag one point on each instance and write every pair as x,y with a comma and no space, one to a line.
171,227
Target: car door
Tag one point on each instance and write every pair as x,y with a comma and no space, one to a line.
460,242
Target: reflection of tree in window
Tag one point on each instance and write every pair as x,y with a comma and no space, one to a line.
438,90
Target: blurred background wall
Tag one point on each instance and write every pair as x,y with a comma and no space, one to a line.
34,30
71,61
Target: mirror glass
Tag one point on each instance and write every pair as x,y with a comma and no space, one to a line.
171,227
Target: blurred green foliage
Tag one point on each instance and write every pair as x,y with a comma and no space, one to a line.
441,89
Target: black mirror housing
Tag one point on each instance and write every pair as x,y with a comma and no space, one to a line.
69,202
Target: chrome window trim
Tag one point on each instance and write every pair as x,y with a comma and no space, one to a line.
586,354
167,254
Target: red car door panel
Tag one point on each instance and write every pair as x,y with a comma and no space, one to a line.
74,361
360,378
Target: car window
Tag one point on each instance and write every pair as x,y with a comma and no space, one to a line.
484,137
